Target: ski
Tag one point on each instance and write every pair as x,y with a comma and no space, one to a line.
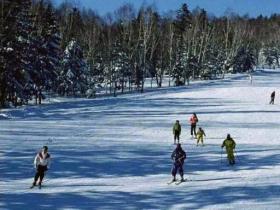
180,181
173,181
39,186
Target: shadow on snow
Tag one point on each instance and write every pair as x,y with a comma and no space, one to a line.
127,161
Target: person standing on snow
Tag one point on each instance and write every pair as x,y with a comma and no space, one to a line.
178,156
177,131
272,97
199,135
250,78
41,163
193,121
230,144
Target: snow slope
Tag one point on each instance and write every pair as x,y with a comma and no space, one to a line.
114,153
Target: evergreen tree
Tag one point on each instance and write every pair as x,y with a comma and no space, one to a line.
73,28
271,53
182,24
17,52
8,55
121,67
214,60
244,61
74,71
49,50
183,20
181,71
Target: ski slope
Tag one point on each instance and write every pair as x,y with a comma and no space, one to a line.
114,153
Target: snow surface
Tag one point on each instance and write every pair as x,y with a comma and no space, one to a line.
114,153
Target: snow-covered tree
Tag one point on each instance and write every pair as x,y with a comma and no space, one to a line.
29,51
49,51
74,71
17,51
181,71
213,61
244,61
270,55
120,67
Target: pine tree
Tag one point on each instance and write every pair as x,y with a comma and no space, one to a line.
73,28
120,65
271,53
182,24
16,52
183,20
214,60
49,50
244,61
74,71
181,71
8,56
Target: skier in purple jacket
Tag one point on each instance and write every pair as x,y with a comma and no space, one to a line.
178,156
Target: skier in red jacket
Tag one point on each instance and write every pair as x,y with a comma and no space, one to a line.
193,121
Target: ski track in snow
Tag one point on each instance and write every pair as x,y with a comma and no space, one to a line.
114,153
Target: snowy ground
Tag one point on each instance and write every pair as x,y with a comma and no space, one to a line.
114,153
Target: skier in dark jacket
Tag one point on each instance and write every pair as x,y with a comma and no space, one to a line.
176,131
272,97
41,163
178,156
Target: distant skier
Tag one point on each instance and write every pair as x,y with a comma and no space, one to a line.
199,135
229,143
178,156
250,78
193,121
272,97
41,163
177,131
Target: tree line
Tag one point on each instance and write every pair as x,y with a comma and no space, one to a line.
70,51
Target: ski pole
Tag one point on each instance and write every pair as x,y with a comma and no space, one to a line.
221,155
236,155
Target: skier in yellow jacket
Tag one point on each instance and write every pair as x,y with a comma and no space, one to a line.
199,135
229,143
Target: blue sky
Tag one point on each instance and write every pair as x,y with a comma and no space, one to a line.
216,7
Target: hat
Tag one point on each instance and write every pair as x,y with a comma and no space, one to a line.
45,148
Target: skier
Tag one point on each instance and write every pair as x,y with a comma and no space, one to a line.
176,131
250,78
193,121
178,156
229,143
42,164
272,97
199,135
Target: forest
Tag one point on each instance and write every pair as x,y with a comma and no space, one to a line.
71,51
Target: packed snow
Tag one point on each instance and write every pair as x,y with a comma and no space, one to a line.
114,153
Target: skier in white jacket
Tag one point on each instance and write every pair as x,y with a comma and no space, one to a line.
42,164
